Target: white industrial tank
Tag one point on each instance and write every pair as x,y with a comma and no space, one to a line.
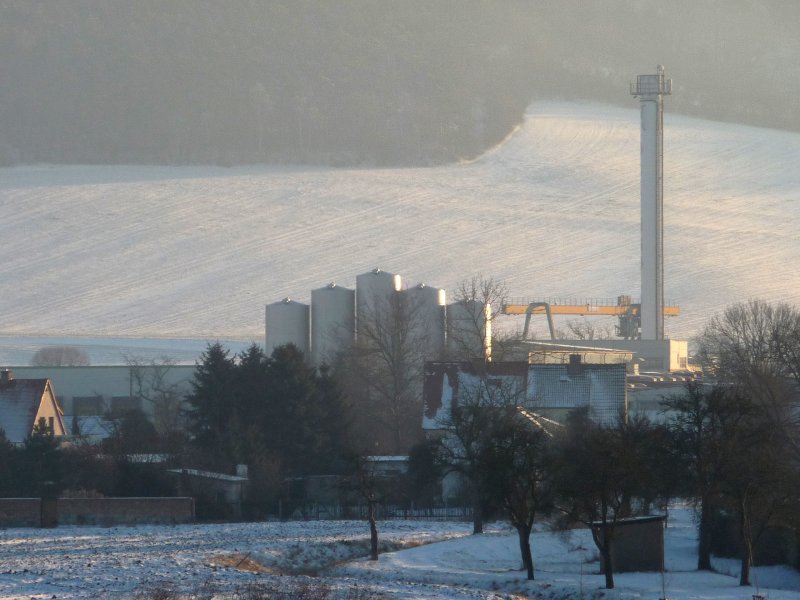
426,307
287,322
469,330
333,315
374,292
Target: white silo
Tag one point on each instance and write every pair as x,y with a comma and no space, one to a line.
333,321
469,330
287,322
651,90
426,309
374,293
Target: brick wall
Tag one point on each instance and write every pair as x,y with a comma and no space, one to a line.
26,512
124,511
20,512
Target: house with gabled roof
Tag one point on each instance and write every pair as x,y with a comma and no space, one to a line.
23,402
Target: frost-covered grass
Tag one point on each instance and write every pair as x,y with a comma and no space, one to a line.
553,211
94,562
441,561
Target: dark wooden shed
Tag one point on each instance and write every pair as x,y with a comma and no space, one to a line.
638,544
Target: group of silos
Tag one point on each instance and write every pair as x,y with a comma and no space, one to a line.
330,324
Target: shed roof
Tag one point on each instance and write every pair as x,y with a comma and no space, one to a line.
208,475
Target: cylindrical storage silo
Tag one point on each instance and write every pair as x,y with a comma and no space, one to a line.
426,310
287,322
333,322
469,330
374,293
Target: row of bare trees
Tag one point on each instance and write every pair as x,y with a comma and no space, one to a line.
527,466
730,443
740,435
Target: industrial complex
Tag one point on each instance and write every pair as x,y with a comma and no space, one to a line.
331,322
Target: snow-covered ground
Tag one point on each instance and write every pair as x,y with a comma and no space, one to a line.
76,563
195,253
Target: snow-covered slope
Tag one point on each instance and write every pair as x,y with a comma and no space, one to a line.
194,252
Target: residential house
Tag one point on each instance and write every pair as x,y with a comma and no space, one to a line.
23,402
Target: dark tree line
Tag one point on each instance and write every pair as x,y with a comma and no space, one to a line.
275,414
197,81
356,82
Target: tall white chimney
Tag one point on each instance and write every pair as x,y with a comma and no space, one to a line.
651,89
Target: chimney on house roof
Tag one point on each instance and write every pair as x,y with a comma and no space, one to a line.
6,376
575,367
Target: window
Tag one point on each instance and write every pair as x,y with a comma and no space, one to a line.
123,404
88,406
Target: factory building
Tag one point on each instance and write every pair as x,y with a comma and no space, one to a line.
549,388
641,356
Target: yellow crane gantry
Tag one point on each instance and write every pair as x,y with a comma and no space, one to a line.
628,313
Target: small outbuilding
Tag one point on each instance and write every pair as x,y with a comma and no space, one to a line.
638,544
216,495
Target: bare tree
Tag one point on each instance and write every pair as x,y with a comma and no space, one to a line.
736,463
695,435
518,468
598,473
478,301
478,393
60,356
150,382
368,486
383,372
755,346
752,342
760,487
583,329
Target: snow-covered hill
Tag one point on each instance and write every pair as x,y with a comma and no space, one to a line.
553,211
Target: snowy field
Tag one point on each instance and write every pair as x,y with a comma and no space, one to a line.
441,561
194,253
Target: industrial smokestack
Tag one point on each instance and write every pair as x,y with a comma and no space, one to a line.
651,89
